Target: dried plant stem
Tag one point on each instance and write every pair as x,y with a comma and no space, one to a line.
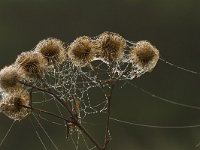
48,91
109,99
74,119
66,74
46,112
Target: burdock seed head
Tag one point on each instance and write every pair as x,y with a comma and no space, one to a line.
111,46
52,49
9,79
82,51
31,64
144,55
12,104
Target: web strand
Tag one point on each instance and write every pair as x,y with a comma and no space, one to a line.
38,135
153,126
164,99
179,67
70,83
7,133
52,122
54,145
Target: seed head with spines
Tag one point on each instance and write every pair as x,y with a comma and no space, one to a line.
52,49
82,51
111,46
9,78
31,64
144,55
12,104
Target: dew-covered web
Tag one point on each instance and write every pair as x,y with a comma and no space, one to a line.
77,83
84,89
78,86
157,97
72,83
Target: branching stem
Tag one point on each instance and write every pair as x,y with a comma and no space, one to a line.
74,119
109,99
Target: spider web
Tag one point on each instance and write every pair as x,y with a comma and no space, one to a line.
87,79
73,83
76,86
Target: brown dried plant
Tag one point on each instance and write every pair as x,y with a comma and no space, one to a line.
63,75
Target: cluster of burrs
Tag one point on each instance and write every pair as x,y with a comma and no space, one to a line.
32,65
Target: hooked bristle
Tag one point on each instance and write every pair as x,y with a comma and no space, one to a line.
9,78
82,51
144,55
111,46
31,64
12,104
52,49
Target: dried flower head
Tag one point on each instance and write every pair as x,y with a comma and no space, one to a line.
82,51
9,78
144,55
111,46
31,64
12,104
52,49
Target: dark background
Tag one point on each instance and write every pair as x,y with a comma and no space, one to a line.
173,26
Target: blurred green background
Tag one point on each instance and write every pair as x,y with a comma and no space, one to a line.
173,26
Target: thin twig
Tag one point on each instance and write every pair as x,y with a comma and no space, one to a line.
64,104
74,120
45,112
109,97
